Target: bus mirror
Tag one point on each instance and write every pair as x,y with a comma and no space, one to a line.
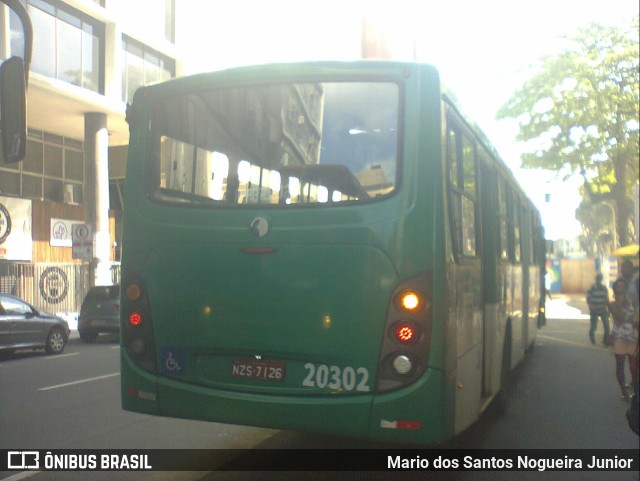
13,109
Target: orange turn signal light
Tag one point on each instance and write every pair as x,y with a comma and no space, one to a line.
410,301
133,292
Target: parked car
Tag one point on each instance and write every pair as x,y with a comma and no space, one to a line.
22,326
100,312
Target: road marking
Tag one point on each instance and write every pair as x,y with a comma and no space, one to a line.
573,343
81,381
59,356
22,475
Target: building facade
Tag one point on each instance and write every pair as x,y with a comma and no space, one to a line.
89,56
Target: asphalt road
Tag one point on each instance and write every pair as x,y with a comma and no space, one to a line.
72,401
564,396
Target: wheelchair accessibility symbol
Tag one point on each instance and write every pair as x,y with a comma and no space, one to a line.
172,361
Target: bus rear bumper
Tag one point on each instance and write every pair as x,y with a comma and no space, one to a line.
412,415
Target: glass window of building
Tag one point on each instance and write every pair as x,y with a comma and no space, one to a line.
16,34
67,45
142,66
53,170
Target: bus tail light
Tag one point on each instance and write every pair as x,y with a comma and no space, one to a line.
137,325
405,348
135,319
406,332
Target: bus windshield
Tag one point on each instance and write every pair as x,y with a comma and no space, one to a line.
277,144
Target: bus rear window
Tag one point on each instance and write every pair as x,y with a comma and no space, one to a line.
284,144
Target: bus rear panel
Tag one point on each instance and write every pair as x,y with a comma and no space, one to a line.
286,250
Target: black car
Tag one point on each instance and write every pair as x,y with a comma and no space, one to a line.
100,312
22,326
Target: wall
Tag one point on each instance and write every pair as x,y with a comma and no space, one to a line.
43,212
577,275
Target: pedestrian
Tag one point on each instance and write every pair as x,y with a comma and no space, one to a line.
598,300
624,335
628,273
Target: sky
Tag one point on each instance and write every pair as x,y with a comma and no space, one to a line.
484,51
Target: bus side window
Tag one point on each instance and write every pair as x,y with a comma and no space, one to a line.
503,245
462,191
513,215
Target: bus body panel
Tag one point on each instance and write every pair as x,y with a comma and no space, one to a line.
467,301
285,306
312,297
378,417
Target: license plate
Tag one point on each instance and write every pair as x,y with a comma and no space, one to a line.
266,370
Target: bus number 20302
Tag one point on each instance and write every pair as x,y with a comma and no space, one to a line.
334,377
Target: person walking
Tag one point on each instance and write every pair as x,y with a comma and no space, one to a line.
629,273
624,335
598,300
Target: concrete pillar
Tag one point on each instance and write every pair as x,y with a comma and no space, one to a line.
5,32
96,156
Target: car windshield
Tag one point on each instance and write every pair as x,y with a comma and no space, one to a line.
103,293
282,145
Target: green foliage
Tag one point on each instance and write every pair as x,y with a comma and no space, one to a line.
597,228
580,109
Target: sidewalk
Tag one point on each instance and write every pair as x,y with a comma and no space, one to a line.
567,306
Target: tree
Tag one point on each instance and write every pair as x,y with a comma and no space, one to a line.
580,110
597,236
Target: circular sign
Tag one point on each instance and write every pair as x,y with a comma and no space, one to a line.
259,227
59,231
81,232
54,285
5,223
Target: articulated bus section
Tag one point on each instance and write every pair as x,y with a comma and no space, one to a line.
325,247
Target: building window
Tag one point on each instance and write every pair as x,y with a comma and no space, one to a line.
15,37
53,170
143,66
67,44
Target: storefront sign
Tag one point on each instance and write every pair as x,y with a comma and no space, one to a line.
15,229
82,237
61,230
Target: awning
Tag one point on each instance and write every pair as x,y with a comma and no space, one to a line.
627,251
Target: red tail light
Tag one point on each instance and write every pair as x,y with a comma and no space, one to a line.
135,319
137,323
404,352
405,333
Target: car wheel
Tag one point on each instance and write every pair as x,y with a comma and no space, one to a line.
55,341
88,336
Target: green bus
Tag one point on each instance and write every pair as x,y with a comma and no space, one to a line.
323,246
